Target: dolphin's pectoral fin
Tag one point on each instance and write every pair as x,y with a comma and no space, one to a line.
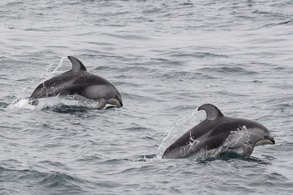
247,149
102,103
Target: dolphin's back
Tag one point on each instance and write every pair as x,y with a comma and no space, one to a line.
69,83
189,138
58,85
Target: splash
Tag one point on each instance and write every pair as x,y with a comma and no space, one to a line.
21,104
59,65
232,146
54,70
235,140
57,103
147,158
180,127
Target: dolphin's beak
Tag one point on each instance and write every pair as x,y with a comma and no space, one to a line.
266,140
272,140
115,102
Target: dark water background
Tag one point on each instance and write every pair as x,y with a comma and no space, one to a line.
166,58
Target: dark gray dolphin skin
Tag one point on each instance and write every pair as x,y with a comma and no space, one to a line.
79,83
218,131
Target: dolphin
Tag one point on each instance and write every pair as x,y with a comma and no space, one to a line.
220,133
79,83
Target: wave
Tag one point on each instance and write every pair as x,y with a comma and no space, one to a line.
231,70
29,180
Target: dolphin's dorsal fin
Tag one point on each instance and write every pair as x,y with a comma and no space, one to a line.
76,64
212,111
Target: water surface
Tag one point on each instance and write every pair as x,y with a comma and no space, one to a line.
166,58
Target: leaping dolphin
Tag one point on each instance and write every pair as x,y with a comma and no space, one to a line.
220,132
79,83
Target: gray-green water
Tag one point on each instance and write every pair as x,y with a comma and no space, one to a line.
166,58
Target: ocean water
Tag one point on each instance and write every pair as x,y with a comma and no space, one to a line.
166,58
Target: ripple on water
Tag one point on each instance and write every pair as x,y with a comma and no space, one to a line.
237,70
47,182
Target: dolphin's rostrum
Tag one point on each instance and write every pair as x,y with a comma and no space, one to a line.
220,132
79,83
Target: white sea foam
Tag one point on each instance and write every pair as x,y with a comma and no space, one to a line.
52,102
